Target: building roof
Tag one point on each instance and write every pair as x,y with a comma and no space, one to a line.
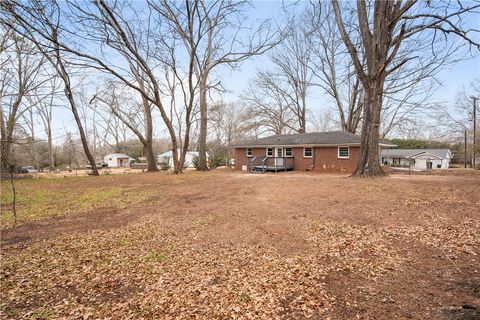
312,138
170,153
118,155
412,153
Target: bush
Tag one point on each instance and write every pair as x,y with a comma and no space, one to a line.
164,166
214,161
195,161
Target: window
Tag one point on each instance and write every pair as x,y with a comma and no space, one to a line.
279,152
343,152
269,152
307,152
288,152
249,152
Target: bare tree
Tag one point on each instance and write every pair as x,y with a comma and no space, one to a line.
21,74
132,114
212,34
323,121
42,102
333,68
268,109
228,122
45,32
292,69
112,128
181,87
384,28
100,24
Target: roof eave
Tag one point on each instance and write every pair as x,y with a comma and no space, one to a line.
296,145
425,153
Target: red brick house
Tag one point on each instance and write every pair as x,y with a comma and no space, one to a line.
335,151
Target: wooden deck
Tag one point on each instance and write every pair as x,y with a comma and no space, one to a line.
272,164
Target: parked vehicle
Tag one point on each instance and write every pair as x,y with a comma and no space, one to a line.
100,165
28,169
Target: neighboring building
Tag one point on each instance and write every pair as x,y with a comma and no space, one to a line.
115,160
167,157
335,151
417,159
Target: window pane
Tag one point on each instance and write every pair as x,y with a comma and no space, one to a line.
307,152
249,151
288,152
343,152
269,152
279,152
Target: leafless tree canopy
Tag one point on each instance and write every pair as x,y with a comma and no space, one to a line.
140,70
385,29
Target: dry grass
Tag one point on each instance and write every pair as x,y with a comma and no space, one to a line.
226,245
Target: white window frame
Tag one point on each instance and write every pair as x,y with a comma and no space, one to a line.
311,150
291,154
343,157
267,153
277,149
249,154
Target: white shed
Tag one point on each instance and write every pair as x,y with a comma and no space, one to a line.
417,159
115,160
167,157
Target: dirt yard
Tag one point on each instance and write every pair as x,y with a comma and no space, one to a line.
222,245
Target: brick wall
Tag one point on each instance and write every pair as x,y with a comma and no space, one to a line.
324,159
241,156
301,163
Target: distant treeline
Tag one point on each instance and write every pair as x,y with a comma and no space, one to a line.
420,144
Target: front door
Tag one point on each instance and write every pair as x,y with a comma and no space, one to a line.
278,156
429,165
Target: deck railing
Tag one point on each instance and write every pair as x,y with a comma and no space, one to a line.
271,163
256,162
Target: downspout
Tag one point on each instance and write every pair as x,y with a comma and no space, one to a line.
314,157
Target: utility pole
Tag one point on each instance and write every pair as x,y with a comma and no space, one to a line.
474,128
465,151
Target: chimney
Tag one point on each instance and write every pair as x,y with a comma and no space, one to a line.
301,130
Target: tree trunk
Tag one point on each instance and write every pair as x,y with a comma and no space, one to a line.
369,162
6,158
51,159
5,151
58,64
202,143
7,136
151,161
78,121
177,166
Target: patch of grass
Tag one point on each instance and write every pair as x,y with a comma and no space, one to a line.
37,199
244,297
43,314
155,255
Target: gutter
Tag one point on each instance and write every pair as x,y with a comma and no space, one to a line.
294,145
387,145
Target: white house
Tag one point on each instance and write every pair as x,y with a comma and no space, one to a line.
417,159
115,160
167,157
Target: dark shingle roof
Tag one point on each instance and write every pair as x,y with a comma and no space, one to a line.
313,138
